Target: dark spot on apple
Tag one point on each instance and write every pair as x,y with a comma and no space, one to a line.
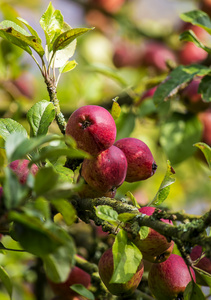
85,124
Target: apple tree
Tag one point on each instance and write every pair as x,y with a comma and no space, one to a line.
68,216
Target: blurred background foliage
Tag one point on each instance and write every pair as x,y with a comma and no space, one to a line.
113,60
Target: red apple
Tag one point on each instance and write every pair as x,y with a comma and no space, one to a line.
106,268
156,55
205,118
93,128
155,247
21,169
110,6
107,171
141,164
168,280
147,94
190,54
76,276
127,55
192,99
203,264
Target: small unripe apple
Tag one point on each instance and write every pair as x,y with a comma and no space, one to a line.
93,128
155,247
156,55
203,264
168,280
106,268
141,164
192,99
21,169
107,171
76,276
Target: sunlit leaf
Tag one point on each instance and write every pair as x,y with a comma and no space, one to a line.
115,109
190,36
8,126
68,66
199,18
206,151
127,258
164,188
81,290
107,213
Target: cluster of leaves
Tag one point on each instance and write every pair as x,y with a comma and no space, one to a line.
29,208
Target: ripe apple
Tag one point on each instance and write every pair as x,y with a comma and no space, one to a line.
155,247
106,268
192,99
87,191
168,280
203,264
93,128
107,171
110,6
190,54
21,169
141,164
205,118
205,5
127,55
76,276
156,55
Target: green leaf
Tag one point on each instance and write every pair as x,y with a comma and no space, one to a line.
18,147
81,290
205,88
66,210
52,24
5,279
125,124
14,192
8,126
127,258
206,277
143,232
164,188
67,37
107,213
125,217
193,292
15,34
190,36
57,265
40,117
42,205
116,109
68,66
133,199
178,134
45,180
36,236
199,18
33,32
176,80
65,174
206,151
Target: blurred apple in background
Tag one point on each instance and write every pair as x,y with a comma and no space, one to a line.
205,118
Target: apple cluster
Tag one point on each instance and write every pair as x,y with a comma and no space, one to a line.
113,162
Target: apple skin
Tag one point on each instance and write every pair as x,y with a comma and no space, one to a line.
190,54
192,99
155,247
204,263
169,279
88,192
76,276
106,268
156,54
93,128
127,55
141,164
21,169
107,171
205,118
